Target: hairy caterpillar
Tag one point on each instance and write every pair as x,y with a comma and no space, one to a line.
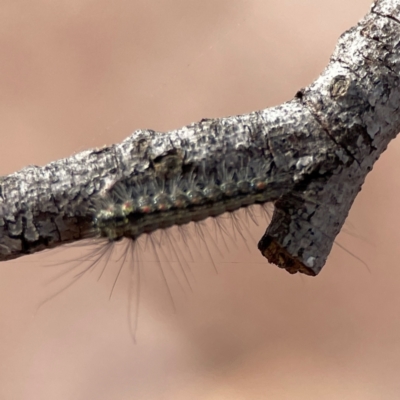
146,208
132,208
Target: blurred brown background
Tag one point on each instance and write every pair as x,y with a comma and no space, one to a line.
80,74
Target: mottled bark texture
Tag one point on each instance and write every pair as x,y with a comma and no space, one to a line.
318,148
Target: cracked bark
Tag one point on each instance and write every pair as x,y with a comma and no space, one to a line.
320,146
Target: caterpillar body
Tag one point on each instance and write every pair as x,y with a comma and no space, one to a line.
132,209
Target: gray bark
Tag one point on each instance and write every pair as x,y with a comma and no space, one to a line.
318,148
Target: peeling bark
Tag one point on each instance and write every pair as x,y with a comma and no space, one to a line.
319,148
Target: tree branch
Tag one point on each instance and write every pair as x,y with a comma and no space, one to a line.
309,155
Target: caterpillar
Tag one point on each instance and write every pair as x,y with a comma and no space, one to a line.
130,209
134,209
139,207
